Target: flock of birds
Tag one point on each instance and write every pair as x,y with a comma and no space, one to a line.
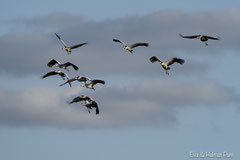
89,83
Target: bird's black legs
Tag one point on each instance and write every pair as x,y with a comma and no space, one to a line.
206,44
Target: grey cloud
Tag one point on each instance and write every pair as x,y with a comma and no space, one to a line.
55,20
153,102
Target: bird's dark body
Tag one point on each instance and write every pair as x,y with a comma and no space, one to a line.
204,39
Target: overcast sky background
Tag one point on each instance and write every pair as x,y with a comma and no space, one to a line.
144,113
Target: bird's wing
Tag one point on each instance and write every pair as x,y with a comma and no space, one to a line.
73,79
154,59
174,59
116,40
86,98
78,45
77,99
98,81
49,74
69,82
70,64
97,110
65,83
52,63
92,104
96,106
95,81
139,44
82,79
213,38
65,45
81,98
62,74
191,37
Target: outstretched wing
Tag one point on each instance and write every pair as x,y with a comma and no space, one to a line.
62,74
154,59
139,44
213,38
61,40
190,37
78,45
68,81
116,40
174,59
70,64
83,79
97,110
50,74
80,98
96,81
77,99
52,63
94,104
79,78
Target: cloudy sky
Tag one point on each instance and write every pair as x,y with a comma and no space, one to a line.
144,113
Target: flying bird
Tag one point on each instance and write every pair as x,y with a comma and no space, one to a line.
166,65
63,65
130,48
78,78
92,83
89,102
202,38
80,98
69,48
60,73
